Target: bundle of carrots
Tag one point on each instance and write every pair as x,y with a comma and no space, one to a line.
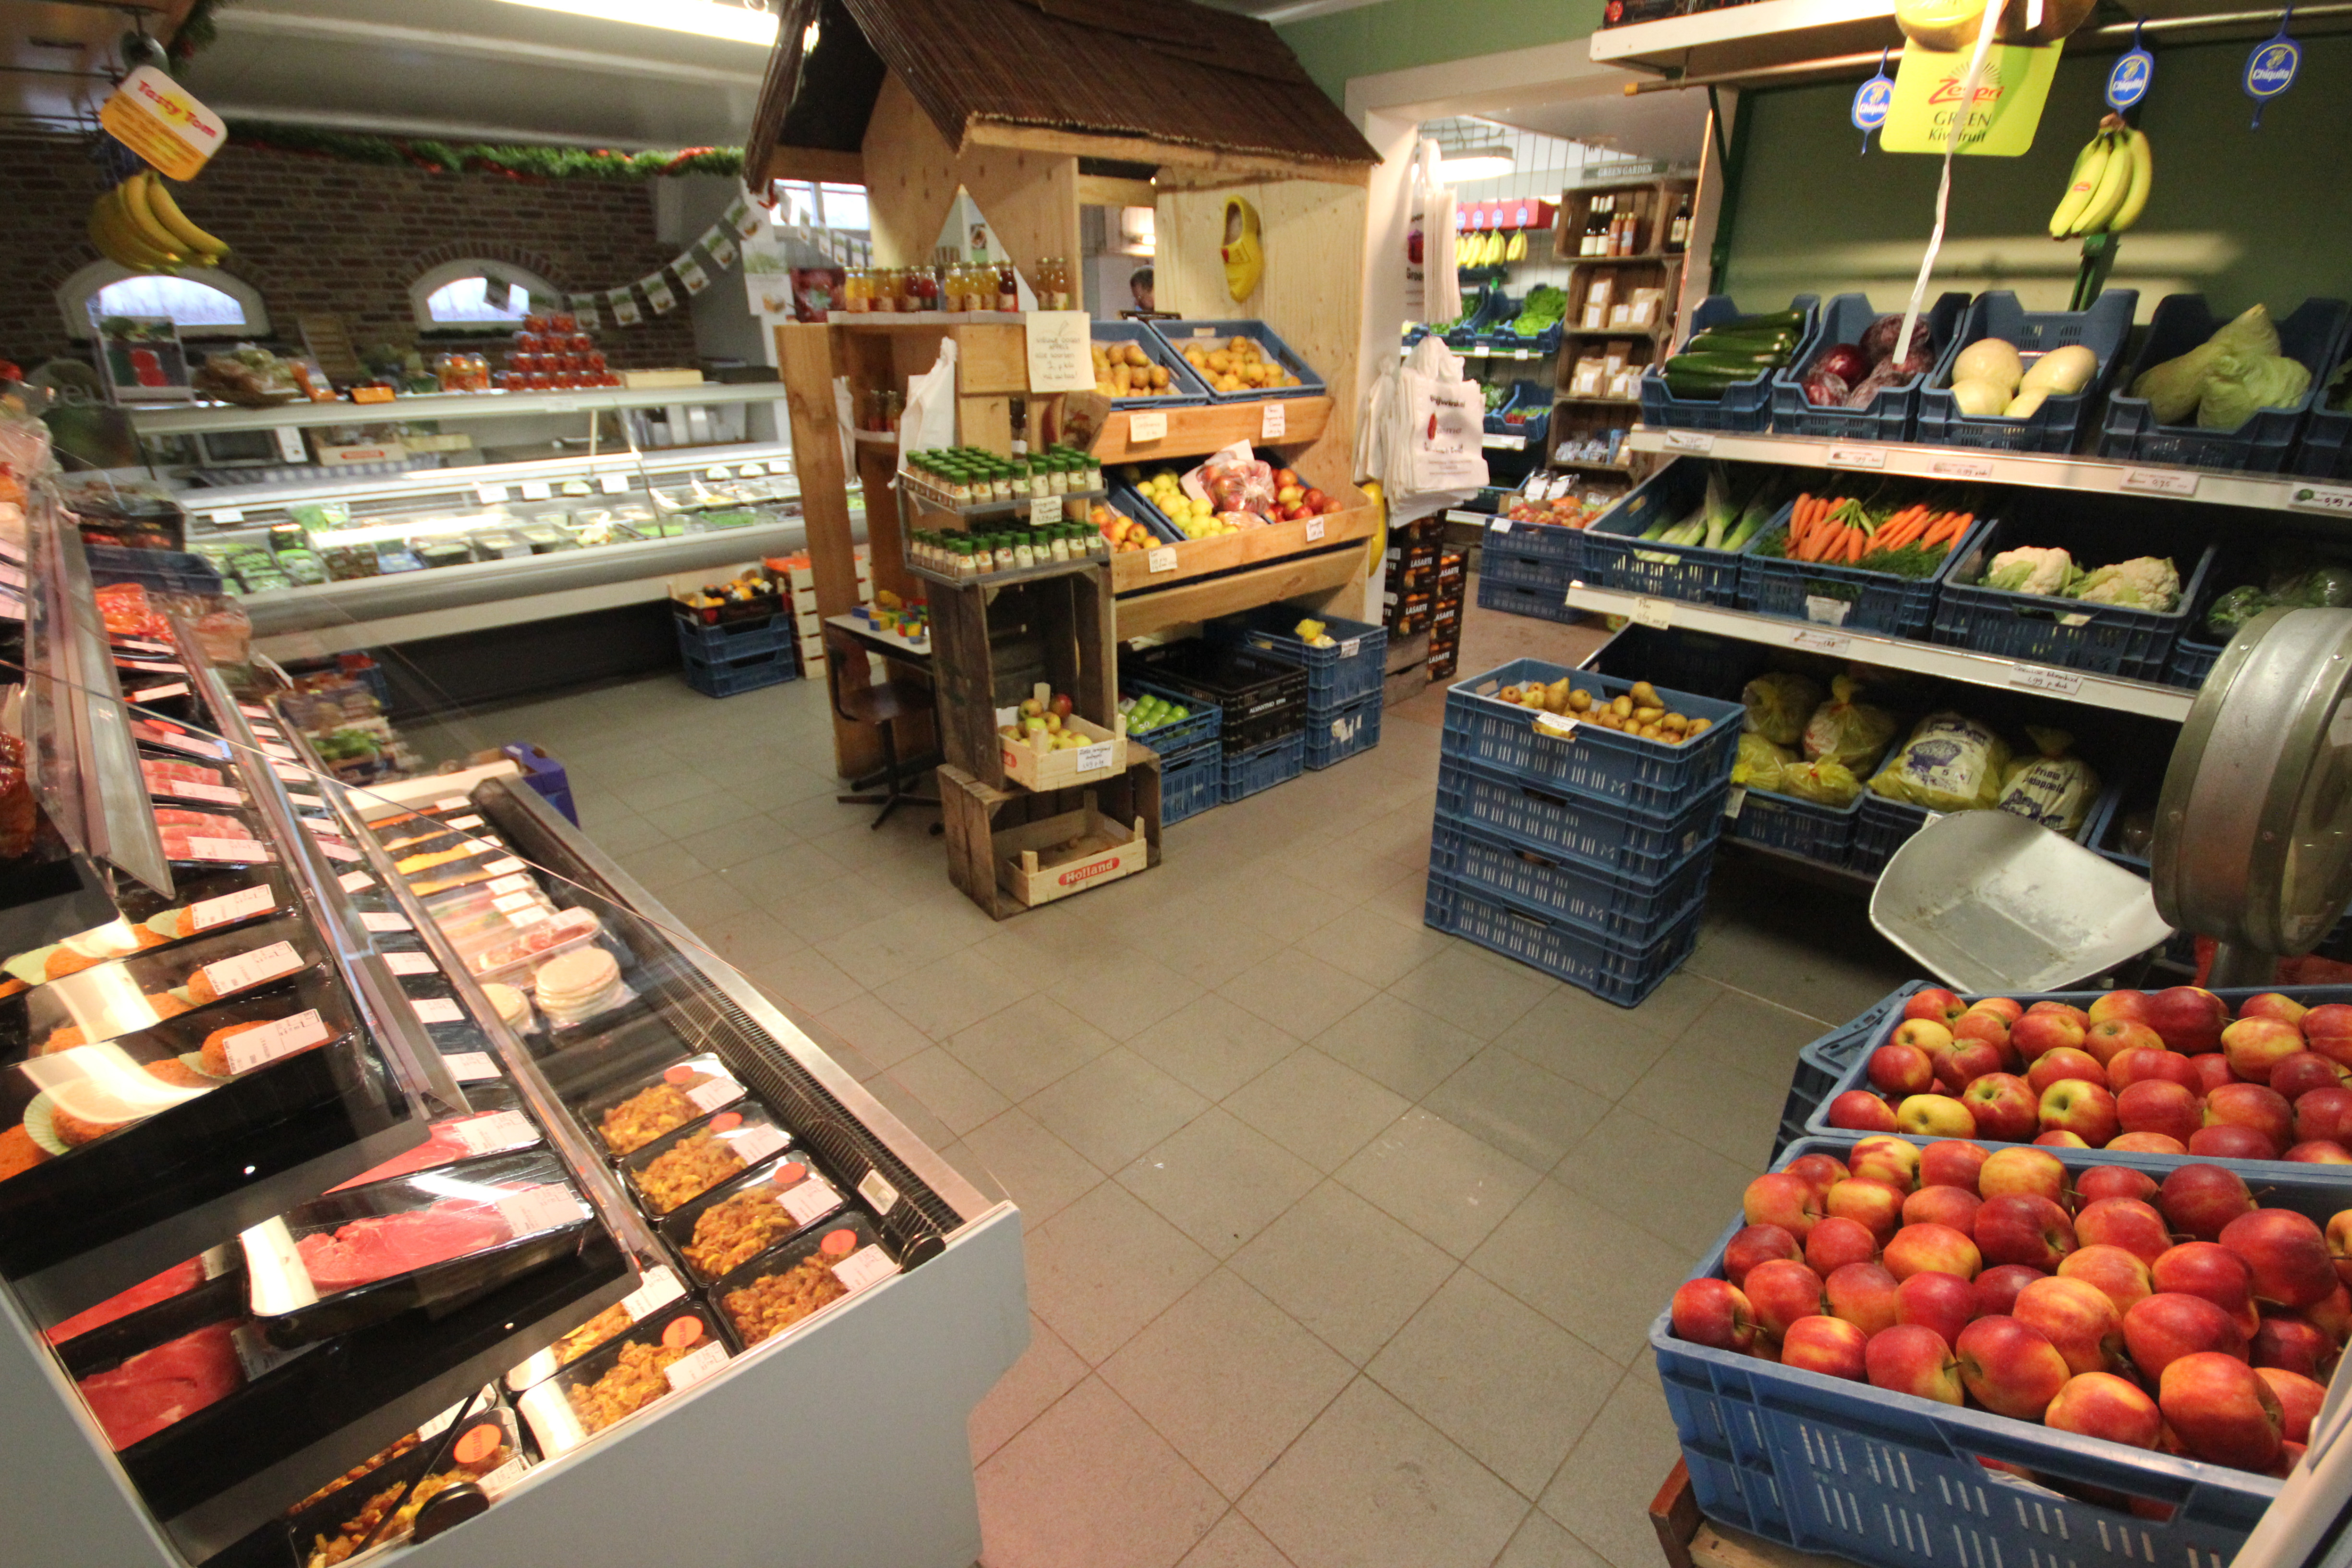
1840,530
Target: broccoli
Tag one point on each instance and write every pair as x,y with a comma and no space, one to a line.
2031,569
2145,583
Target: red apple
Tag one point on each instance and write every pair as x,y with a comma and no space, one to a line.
1714,1312
2132,1004
2288,1253
2037,1172
2062,1009
1944,1303
2328,1029
1859,1111
1935,1115
2253,1105
2334,1315
1932,1249
1894,1160
2271,1005
2212,1071
2319,1152
1924,1034
2147,1144
2006,1009
2158,1105
2004,1106
1830,1346
2299,1399
1954,1208
2128,1223
1758,1244
1986,1028
1838,1241
1782,1292
2064,1062
2075,1316
2299,1072
2120,1274
2020,1229
1821,1171
2325,1113
1863,1295
1952,1162
1996,1288
1913,1359
2059,1138
2290,1454
2294,1344
2110,1038
1899,1071
1785,1200
2100,1405
2198,1200
2010,1367
2232,1142
2085,1109
2212,1272
2114,1182
1934,1003
2340,1244
2221,1409
2168,1326
2191,1020
2142,1063
1878,1205
2255,1045
2038,1034
1965,1063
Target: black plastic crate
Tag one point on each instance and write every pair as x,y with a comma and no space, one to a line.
1349,670
2265,443
1259,697
1520,599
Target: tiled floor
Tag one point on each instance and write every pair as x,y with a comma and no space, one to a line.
1344,1237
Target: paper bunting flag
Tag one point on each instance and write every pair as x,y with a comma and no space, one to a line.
584,305
624,308
659,294
691,273
744,218
720,247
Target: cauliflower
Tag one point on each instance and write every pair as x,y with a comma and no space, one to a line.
2146,582
2031,570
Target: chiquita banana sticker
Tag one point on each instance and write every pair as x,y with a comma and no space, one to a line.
1243,251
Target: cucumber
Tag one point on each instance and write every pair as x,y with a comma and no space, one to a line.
1708,387
1794,320
1705,342
1731,364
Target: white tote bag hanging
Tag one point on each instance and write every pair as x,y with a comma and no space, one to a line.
929,420
1441,287
1422,432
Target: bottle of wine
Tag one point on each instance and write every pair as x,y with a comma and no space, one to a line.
1678,232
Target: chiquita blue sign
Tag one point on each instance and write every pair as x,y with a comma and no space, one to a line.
2127,83
2270,69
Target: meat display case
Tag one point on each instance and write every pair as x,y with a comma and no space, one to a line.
894,1302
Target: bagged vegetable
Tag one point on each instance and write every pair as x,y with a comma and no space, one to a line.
2240,387
1844,730
2233,609
1778,703
1824,780
2052,788
1950,762
1760,762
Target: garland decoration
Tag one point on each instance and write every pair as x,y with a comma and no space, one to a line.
197,31
515,162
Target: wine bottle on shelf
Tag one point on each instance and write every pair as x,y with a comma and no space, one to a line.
1678,232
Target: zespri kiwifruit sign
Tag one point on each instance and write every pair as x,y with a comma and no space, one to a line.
2002,119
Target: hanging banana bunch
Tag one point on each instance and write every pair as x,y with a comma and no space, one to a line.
137,225
2108,189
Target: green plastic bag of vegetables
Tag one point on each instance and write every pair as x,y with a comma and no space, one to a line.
1778,703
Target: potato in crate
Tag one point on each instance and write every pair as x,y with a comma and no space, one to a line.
1624,743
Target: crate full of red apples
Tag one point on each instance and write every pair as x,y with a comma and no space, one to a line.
2227,1075
1908,1352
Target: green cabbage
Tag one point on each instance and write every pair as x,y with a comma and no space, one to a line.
2238,389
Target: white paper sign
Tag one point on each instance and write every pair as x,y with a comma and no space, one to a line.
1823,642
336,849
529,917
185,789
246,970
437,1010
238,851
1961,469
287,773
661,1288
687,1370
1733,802
757,1143
497,1129
157,693
186,745
544,1207
490,495
2160,481
1314,529
1162,559
131,644
2036,677
151,666
1142,426
1827,612
352,881
1061,356
1857,458
1652,613
510,902
471,1066
454,803
866,1266
1274,422
538,490
2321,497
411,963
1095,758
1689,441
253,1047
242,905
711,1096
1046,509
506,863
515,884
306,802
612,484
809,1202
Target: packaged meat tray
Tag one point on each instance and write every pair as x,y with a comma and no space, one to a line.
441,810
197,784
537,935
206,1289
723,1230
377,1512
170,740
670,1351
496,1125
626,1119
470,867
787,1286
213,902
155,1388
214,836
356,1258
123,995
445,852
680,1166
658,1287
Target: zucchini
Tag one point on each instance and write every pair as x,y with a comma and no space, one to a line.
1740,366
1710,388
1794,320
1705,343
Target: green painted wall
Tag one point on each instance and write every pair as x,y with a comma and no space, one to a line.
1395,35
2237,214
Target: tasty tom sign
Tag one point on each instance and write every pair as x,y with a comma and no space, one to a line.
164,123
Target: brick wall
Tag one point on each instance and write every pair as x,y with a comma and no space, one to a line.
313,234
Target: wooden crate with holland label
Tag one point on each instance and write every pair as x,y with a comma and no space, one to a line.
1039,862
1035,762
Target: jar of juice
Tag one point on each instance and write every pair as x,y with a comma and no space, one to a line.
529,343
1008,288
856,290
535,323
538,380
883,289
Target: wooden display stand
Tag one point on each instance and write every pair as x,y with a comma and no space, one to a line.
991,646
1689,1540
993,835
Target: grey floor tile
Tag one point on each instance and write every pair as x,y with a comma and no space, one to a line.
1218,1180
1123,996
1681,1190
1213,1046
665,786
1348,1272
1029,1044
802,980
1376,952
1371,1485
1525,1112
776,874
1514,1390
1115,1108
1294,992
881,1036
1592,1044
1228,1378
949,1089
1450,1187
745,936
1235,1543
700,813
1406,902
1742,1109
1317,1108
622,831
1036,1170
1105,1267
948,995
1475,990
707,901
1398,1045
1604,1488
1543,1544
662,865
1750,1034
1047,1370
903,941
1041,1495
1600,1278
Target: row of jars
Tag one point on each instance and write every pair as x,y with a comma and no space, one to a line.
955,286
969,476
978,555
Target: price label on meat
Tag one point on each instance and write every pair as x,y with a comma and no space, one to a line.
527,917
718,1091
1160,559
352,881
498,1129
337,850
660,1288
866,1266
685,1372
229,907
548,1207
277,752
755,1144
382,923
288,773
250,1049
1856,458
509,903
454,803
2036,677
227,976
2159,481
437,1010
1689,441
411,963
1096,758
501,884
1145,427
128,644
186,745
157,693
236,851
465,822
185,789
251,711
2321,497
503,865
471,1066
153,667
306,802
479,847
811,1201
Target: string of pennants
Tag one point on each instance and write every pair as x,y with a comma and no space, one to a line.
720,243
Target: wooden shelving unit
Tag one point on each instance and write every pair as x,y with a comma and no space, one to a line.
1576,418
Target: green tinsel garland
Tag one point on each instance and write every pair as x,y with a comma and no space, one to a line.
516,162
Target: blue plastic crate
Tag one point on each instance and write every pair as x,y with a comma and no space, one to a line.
1883,828
734,677
1352,668
543,774
1542,541
1895,1481
1504,558
1613,970
1127,501
1888,419
2265,442
1608,903
166,571
1333,737
1746,408
2058,425
1190,785
1798,826
1648,778
733,640
1277,761
1855,597
1822,1062
1685,660
1181,334
1183,736
1615,556
1557,824
1525,599
2191,662
2110,639
1189,389
2325,450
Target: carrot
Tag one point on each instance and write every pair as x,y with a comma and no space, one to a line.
1899,534
1948,528
1857,541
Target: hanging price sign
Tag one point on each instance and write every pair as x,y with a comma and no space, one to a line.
1872,100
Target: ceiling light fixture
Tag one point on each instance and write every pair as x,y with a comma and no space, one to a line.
1469,163
708,18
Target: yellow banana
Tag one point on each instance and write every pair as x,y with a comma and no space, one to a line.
2114,180
2088,166
205,247
116,241
130,208
2143,177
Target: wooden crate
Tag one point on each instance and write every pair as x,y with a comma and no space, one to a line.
977,815
1039,862
1104,756
990,646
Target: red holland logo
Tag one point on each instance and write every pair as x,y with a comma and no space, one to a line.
1088,872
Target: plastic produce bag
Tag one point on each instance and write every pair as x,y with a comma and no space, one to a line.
1825,782
2052,788
1232,479
1950,763
1844,730
1760,762
1778,702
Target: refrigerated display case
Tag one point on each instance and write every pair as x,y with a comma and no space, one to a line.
372,1207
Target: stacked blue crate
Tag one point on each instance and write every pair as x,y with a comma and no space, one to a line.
1578,850
1525,568
1343,678
1192,753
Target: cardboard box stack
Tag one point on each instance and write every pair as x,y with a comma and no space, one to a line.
1453,573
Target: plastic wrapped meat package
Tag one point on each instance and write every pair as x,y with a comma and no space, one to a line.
495,1126
684,1091
378,1510
120,996
520,954
683,1165
657,1287
784,1288
211,837
157,1387
723,1230
669,1351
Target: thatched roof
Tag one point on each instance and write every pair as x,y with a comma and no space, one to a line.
1169,72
